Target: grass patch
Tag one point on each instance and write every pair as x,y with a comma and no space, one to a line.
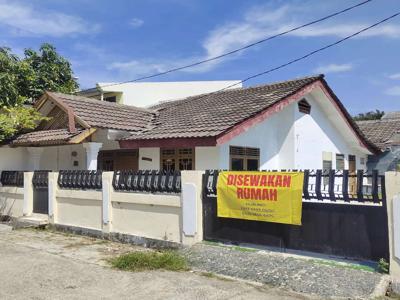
342,265
150,260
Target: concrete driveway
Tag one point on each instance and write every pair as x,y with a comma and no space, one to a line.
45,265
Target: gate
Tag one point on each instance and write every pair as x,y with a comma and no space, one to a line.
335,221
40,182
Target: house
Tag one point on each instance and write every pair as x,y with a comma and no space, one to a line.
294,124
385,133
144,94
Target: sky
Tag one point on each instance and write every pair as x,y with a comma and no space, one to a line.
120,40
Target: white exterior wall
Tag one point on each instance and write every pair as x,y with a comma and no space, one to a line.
206,158
293,140
153,154
315,134
269,136
60,158
143,94
13,159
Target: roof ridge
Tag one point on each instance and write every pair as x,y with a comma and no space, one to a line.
184,100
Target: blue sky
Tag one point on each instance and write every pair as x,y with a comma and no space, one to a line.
108,41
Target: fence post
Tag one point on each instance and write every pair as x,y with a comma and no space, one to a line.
107,178
192,207
53,186
392,180
28,194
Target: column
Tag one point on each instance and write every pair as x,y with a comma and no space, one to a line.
28,194
92,150
53,209
107,206
34,158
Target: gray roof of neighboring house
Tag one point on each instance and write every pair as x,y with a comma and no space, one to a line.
381,131
391,115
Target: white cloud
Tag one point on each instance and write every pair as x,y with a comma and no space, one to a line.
262,21
394,76
333,68
393,91
24,19
136,23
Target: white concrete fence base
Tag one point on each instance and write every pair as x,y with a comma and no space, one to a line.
171,218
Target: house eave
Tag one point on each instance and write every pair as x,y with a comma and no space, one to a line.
168,143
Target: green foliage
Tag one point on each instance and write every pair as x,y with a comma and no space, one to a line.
371,115
24,80
150,260
18,119
383,266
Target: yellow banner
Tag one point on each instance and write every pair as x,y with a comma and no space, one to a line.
260,196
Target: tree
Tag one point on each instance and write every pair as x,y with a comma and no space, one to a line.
51,72
371,115
18,119
22,81
25,80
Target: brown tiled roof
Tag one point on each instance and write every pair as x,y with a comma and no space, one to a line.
102,114
53,137
208,115
381,131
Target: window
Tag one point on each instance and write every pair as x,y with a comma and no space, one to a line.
304,106
339,161
177,159
111,99
326,166
244,158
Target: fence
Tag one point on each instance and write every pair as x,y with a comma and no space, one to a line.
12,178
345,217
144,205
147,181
11,194
340,185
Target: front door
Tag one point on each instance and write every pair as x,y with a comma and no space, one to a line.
118,160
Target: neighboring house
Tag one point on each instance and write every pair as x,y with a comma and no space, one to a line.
384,133
295,124
144,94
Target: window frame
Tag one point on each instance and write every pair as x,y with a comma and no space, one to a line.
246,156
176,156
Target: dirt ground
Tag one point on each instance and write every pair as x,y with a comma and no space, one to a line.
46,265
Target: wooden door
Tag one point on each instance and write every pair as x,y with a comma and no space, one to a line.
113,160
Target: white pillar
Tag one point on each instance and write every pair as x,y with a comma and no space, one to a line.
28,194
107,207
92,150
34,158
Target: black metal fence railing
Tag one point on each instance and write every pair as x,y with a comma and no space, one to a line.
147,181
40,179
12,178
80,179
332,185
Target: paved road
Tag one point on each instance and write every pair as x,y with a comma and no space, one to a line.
44,265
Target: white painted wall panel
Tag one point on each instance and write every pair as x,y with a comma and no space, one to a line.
153,154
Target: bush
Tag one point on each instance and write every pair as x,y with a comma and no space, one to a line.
383,266
150,260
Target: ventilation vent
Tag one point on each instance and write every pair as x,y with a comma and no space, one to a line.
244,151
304,107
